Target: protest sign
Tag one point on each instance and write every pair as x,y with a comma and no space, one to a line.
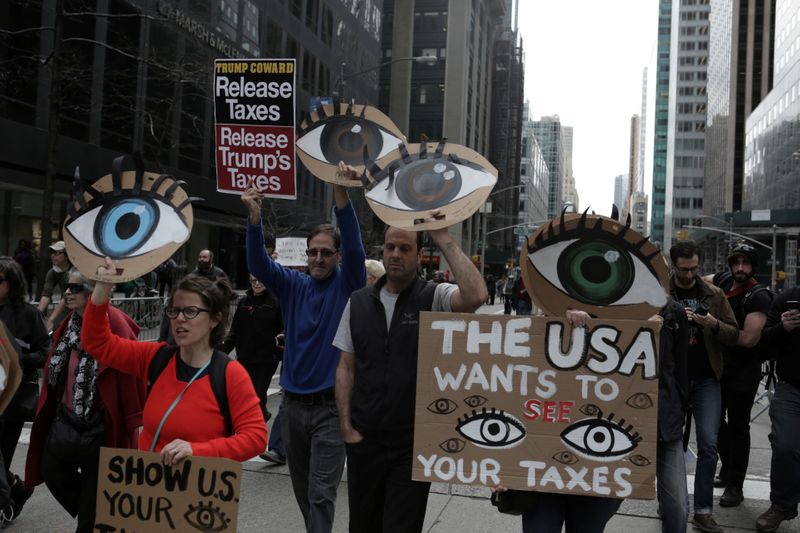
254,103
532,403
291,251
137,218
136,492
426,186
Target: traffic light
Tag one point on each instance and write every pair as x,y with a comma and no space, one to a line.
780,275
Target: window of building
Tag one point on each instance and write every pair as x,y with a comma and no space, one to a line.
296,8
326,32
312,13
274,39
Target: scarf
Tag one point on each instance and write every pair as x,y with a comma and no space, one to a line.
84,389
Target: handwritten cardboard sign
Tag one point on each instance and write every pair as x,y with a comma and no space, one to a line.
532,403
291,251
254,103
136,492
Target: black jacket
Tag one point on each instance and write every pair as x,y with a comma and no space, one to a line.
673,384
26,324
385,377
255,324
783,346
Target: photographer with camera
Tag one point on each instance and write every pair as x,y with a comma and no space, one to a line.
711,324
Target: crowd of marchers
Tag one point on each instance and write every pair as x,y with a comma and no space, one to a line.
339,329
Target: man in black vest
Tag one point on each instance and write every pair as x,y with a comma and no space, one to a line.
741,370
377,373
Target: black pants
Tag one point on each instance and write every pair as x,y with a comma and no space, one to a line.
382,496
10,430
733,443
261,376
75,490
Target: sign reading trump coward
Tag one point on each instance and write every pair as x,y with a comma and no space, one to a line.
137,492
533,403
254,116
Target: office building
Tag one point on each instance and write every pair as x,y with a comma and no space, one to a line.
146,86
680,110
533,176
550,138
621,191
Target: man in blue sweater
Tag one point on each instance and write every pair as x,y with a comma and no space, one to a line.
312,306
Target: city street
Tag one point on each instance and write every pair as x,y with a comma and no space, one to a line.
268,503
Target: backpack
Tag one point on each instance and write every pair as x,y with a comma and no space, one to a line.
216,374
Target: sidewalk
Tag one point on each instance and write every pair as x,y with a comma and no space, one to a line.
268,504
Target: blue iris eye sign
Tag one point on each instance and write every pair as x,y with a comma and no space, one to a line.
123,226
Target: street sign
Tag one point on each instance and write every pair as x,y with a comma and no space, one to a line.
523,230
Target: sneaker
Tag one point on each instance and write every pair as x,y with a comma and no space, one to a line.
731,497
19,494
706,522
772,518
273,456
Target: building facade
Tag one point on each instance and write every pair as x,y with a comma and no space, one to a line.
620,191
661,122
473,90
139,79
687,104
533,176
549,136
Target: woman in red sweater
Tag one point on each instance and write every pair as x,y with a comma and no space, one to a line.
198,313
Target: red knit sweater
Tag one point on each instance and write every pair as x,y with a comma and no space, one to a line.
197,418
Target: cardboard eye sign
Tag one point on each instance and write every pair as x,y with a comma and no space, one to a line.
595,264
429,185
137,218
342,132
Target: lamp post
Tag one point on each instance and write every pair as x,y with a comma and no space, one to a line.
341,83
483,222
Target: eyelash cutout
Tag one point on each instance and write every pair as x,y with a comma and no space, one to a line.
589,259
421,182
551,235
136,212
329,138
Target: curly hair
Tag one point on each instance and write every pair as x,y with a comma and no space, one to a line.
216,296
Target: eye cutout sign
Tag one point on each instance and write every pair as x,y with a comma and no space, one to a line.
137,218
596,264
342,132
428,186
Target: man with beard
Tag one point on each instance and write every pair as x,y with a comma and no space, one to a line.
206,266
742,367
711,324
376,378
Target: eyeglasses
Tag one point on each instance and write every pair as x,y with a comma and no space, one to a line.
74,288
687,270
325,253
188,312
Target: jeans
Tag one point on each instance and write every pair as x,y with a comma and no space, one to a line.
383,497
705,402
276,435
738,393
315,455
580,514
673,495
523,307
784,413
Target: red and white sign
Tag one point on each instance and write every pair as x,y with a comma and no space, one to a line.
255,126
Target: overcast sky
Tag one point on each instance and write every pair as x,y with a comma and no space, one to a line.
583,62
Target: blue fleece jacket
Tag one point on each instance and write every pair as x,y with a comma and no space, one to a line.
311,308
